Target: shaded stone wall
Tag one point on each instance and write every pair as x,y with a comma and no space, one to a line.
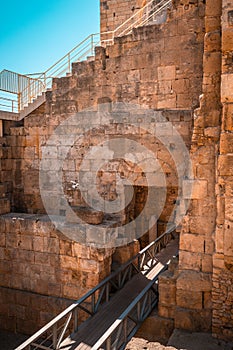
41,271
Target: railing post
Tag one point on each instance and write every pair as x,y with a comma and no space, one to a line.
92,45
45,80
125,329
108,343
75,319
19,101
107,292
93,302
139,311
55,336
29,91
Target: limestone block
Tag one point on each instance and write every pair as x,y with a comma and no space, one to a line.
228,117
192,242
219,239
81,251
167,73
197,189
225,165
218,261
220,210
25,242
213,8
124,253
2,239
228,238
167,101
193,320
202,224
227,39
212,41
229,208
166,311
212,24
167,289
190,261
51,245
226,143
84,214
38,244
88,265
156,328
194,281
189,300
226,87
207,263
4,206
68,262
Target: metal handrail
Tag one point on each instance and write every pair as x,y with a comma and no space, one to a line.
90,302
63,66
8,104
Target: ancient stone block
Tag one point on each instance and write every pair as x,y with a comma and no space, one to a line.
192,243
190,261
86,215
194,281
189,300
193,320
156,328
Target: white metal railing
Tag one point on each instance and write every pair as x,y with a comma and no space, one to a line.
60,68
51,335
8,104
29,87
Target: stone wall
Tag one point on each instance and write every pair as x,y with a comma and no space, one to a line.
203,285
222,293
194,282
41,271
142,68
113,13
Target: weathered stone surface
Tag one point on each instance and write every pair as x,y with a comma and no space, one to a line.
194,281
156,328
84,214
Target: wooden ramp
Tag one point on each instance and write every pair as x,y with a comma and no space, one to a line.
101,322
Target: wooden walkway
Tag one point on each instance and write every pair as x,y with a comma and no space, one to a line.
93,329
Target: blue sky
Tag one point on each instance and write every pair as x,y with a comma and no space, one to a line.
34,34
